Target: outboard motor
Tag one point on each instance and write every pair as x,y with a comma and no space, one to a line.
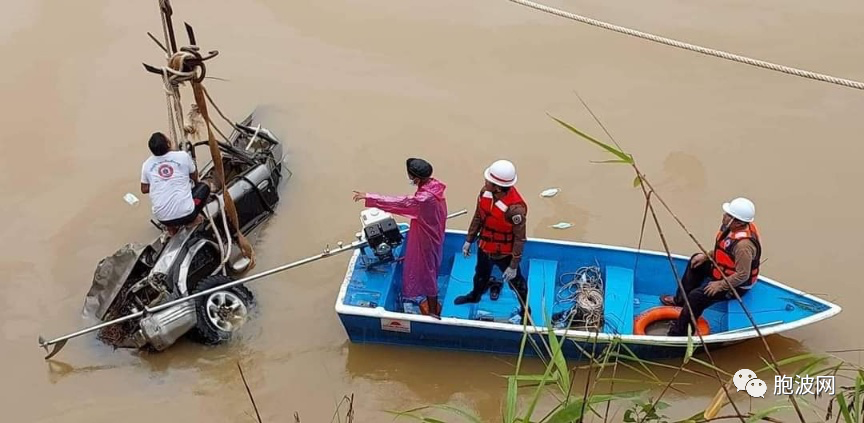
382,233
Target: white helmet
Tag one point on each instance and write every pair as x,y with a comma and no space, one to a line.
501,173
741,209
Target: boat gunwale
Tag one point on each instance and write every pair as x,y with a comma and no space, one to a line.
581,335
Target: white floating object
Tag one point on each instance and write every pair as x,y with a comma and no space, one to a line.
551,192
131,199
561,225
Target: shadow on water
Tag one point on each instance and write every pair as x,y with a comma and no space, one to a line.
439,383
208,362
436,376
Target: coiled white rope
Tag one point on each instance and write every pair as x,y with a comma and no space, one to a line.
585,291
711,52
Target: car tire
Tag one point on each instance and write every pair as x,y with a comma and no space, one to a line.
220,314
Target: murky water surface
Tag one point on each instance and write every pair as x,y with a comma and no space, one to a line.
355,86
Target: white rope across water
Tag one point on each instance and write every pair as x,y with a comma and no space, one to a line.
691,47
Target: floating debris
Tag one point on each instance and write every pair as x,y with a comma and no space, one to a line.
131,199
551,192
561,225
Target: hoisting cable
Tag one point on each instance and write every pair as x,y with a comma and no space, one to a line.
216,154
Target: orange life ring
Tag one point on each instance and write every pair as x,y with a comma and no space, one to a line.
660,313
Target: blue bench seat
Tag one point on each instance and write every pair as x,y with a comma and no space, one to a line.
618,304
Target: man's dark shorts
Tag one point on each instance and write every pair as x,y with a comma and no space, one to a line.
200,192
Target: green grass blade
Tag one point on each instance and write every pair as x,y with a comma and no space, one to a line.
562,372
573,411
642,362
466,415
640,381
787,361
856,396
807,368
607,161
626,158
767,412
412,414
536,397
710,366
690,345
407,414
413,410
844,409
510,405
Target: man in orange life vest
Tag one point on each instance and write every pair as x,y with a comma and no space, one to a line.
499,223
737,251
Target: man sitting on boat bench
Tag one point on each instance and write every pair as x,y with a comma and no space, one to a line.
499,223
167,176
737,251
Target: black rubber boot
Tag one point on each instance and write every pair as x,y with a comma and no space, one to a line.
494,289
471,297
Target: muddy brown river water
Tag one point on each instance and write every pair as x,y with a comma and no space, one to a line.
356,86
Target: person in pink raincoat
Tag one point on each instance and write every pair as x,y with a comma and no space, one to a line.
427,209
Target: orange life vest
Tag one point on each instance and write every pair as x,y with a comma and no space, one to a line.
496,235
725,258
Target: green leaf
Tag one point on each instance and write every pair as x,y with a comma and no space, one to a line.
790,360
467,416
636,182
536,397
642,362
454,410
625,158
805,369
640,381
767,412
690,345
407,414
573,411
563,373
510,405
628,416
856,396
831,369
534,378
844,409
710,366
608,161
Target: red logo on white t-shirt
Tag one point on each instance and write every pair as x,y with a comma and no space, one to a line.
165,171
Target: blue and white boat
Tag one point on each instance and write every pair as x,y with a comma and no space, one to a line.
631,282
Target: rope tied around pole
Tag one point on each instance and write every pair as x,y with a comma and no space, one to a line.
687,46
187,65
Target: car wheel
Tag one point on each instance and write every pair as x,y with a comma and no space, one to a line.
221,313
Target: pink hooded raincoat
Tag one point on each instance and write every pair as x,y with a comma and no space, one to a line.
427,209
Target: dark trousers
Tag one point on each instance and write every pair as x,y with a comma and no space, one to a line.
692,282
200,192
483,272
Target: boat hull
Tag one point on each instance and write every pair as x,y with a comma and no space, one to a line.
372,330
370,307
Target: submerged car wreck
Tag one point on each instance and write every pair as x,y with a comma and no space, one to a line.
245,168
196,258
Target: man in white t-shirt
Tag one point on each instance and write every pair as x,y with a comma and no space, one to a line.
168,177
